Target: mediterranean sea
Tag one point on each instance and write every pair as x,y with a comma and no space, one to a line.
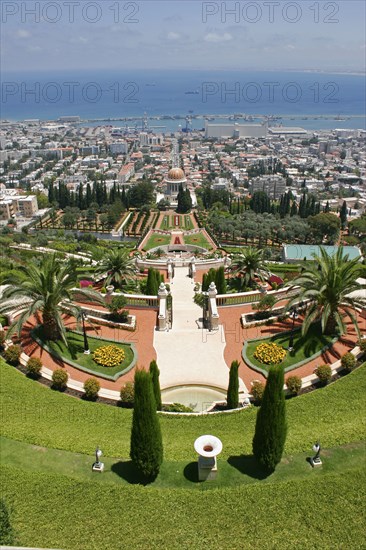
311,100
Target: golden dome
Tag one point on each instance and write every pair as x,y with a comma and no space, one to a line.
176,174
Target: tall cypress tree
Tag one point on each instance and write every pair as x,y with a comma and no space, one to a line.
271,427
220,280
146,442
343,214
152,285
233,388
154,373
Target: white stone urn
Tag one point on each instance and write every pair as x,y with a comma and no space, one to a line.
208,448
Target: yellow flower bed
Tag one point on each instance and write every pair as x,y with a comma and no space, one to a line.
270,354
109,356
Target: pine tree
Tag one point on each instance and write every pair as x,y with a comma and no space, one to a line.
154,373
271,428
146,442
233,388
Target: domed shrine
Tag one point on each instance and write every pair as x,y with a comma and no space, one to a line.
173,180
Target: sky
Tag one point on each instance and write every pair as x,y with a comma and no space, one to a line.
173,34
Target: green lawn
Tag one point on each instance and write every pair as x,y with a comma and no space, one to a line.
188,224
76,353
56,502
236,470
34,414
304,346
316,510
156,240
198,239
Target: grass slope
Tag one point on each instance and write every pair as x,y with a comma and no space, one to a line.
35,414
54,511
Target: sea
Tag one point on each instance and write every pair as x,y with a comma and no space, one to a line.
311,100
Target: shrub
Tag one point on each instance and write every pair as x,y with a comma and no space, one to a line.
2,339
146,441
232,398
348,361
34,366
59,379
362,344
109,356
127,393
12,354
117,303
294,384
91,388
266,303
271,426
177,407
257,391
6,530
324,373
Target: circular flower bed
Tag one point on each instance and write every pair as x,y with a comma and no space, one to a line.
109,356
270,354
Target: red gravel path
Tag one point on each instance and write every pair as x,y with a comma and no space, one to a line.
235,337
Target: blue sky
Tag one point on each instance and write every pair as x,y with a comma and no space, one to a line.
187,34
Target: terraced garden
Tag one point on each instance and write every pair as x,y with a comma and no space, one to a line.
304,347
155,240
74,354
47,452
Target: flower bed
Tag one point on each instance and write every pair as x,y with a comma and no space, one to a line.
109,356
270,353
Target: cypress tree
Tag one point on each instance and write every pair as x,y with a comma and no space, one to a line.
343,214
154,373
146,442
220,280
271,428
6,530
152,285
233,388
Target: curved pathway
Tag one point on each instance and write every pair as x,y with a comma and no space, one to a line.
187,353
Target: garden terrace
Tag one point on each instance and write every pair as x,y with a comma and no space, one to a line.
74,354
46,461
306,348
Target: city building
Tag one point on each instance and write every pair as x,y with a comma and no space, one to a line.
274,186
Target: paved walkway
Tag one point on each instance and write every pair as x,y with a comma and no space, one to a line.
187,353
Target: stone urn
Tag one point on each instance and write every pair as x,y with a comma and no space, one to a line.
208,447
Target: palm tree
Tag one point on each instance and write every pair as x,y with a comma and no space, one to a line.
249,264
332,288
42,291
118,265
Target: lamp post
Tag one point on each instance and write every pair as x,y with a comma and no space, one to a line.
315,460
293,315
86,344
98,466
